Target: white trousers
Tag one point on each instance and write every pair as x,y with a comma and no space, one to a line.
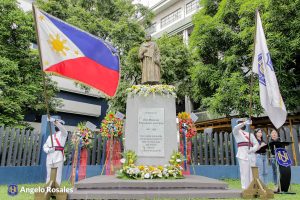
59,166
246,172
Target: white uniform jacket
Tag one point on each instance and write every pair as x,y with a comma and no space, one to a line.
56,156
244,152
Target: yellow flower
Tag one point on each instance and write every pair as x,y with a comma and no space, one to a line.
160,167
151,168
141,167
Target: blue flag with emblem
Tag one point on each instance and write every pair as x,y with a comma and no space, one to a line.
283,157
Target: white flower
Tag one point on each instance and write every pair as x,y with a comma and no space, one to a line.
147,175
178,160
136,170
123,160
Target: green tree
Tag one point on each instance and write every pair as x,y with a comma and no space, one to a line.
21,86
283,34
222,44
176,61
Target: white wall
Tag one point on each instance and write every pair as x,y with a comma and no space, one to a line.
79,108
69,86
170,7
26,5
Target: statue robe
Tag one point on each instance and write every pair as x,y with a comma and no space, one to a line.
150,60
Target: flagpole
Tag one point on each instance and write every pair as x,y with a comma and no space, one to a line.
251,76
43,73
293,147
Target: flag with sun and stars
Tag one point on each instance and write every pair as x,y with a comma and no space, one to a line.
72,53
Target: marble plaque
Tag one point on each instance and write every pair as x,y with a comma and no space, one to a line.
151,132
150,128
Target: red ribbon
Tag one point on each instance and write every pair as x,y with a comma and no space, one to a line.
189,155
82,165
114,162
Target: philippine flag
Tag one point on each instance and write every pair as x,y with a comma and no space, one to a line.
70,52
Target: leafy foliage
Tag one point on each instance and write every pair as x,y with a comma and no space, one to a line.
222,44
176,61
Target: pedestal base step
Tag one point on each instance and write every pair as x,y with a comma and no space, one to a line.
110,187
154,194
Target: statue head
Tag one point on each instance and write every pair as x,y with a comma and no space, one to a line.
148,37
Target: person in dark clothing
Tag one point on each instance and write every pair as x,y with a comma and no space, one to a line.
261,156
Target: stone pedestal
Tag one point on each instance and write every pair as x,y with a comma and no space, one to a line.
150,128
110,187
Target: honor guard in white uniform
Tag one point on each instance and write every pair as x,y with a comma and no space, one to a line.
245,155
55,154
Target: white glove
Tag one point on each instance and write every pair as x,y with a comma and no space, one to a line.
248,122
51,150
60,121
51,119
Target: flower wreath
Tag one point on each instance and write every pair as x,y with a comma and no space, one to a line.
83,134
184,117
111,126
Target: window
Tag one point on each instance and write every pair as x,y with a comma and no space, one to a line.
171,18
151,29
193,5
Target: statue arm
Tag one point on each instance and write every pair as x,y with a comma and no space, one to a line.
141,53
156,55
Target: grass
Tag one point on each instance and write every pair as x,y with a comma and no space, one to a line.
233,184
236,184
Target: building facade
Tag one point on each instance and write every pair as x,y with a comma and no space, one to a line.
173,17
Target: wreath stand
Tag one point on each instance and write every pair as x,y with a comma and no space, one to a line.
51,184
257,188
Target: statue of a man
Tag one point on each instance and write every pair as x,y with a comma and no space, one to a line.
150,60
